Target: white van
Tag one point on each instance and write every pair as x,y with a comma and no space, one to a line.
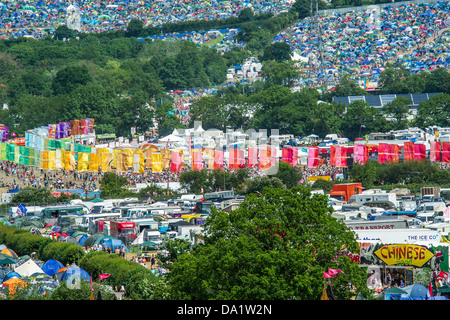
429,207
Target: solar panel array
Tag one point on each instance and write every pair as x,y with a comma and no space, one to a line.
378,101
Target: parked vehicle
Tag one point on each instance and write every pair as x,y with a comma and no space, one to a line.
125,231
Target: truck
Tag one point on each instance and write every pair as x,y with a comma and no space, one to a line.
430,191
373,195
381,224
125,231
343,191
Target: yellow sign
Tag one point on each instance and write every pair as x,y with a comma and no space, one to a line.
315,178
404,254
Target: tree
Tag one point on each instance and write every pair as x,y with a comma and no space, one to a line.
359,113
64,32
278,51
274,246
135,27
70,78
435,111
303,8
113,186
245,15
258,184
289,175
279,73
393,80
398,110
347,87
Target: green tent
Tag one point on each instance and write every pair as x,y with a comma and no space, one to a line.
8,260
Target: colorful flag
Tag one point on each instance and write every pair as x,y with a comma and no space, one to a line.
252,157
218,159
435,151
333,155
313,157
156,162
420,152
446,152
341,157
383,150
408,150
176,162
393,150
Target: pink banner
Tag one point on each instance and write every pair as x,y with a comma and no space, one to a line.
313,157
435,151
175,165
218,159
197,162
341,157
252,158
420,152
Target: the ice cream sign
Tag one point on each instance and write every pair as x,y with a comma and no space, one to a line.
404,254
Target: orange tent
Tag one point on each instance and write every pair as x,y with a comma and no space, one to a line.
13,283
10,253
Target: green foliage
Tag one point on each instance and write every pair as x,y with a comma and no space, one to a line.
133,276
274,246
135,27
63,31
290,176
70,78
84,292
321,184
113,186
214,180
278,51
257,185
39,196
434,111
411,172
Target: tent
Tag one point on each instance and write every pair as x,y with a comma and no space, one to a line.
13,283
81,238
28,268
394,293
416,291
6,259
75,273
96,238
51,267
114,243
10,275
10,253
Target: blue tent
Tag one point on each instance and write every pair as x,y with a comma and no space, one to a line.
75,272
114,243
416,291
81,239
12,274
50,267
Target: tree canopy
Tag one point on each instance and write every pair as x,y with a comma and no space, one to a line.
274,246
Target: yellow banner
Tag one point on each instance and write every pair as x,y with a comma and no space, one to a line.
315,178
106,161
121,162
156,162
93,162
83,161
404,254
69,160
129,153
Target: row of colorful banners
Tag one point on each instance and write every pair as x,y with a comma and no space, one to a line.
439,152
60,154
